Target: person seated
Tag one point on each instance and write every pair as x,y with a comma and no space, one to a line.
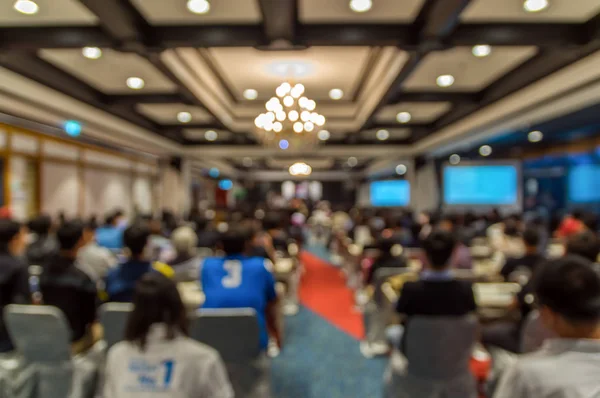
120,281
157,357
532,257
13,273
63,285
508,240
571,225
461,256
111,234
185,262
567,292
238,280
208,236
93,259
385,260
43,245
584,244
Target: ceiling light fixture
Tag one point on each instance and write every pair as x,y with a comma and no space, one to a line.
535,136
135,83
184,117
485,150
401,169
91,52
535,5
383,135
250,94
336,94
403,117
445,80
300,169
26,7
481,50
211,135
454,159
352,161
198,6
361,5
324,135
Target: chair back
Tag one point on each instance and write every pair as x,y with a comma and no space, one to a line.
534,333
234,332
113,317
439,347
41,333
520,275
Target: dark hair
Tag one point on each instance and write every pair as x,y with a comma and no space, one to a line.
92,223
9,229
135,238
272,221
570,286
41,224
439,247
155,300
578,214
531,237
584,244
235,240
69,234
511,228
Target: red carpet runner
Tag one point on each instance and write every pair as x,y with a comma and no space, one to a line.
323,290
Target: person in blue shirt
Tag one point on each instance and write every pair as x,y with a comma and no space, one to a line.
241,281
111,234
120,281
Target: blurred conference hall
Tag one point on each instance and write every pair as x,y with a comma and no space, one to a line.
299,198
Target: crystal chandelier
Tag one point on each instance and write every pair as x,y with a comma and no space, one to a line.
290,121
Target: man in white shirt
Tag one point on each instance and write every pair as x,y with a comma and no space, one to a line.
568,294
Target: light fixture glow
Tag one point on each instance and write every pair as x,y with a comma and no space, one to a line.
481,50
485,150
303,102
401,169
383,135
454,159
280,116
300,169
135,83
277,127
361,5
324,135
403,117
309,126
298,127
214,172
321,121
293,116
91,52
535,136
211,135
288,101
311,105
198,6
184,117
26,7
297,90
305,116
225,185
336,94
250,94
535,5
284,144
352,161
445,80
72,128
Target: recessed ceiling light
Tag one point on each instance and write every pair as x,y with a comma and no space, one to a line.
403,117
27,7
361,5
184,117
135,83
535,5
535,136
198,6
481,50
383,135
284,144
336,94
445,80
250,94
211,135
91,52
485,150
285,69
352,161
454,159
401,169
324,135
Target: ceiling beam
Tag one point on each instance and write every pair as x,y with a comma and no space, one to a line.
30,39
440,18
280,18
540,35
433,96
134,99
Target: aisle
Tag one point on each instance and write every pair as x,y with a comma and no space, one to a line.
321,358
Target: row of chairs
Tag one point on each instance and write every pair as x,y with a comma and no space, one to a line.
44,367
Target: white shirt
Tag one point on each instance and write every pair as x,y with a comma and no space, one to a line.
178,368
563,368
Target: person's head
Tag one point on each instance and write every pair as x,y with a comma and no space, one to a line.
89,230
272,221
40,225
13,237
135,239
439,247
70,236
578,214
531,239
114,218
385,246
568,293
184,240
584,244
511,228
236,241
156,300
446,223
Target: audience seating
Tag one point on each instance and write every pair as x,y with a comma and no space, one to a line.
113,317
436,360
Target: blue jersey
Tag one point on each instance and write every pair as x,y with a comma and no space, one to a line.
239,282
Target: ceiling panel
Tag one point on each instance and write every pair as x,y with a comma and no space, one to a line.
421,112
51,13
161,12
470,73
338,11
395,134
320,69
512,11
285,163
167,113
199,135
109,74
